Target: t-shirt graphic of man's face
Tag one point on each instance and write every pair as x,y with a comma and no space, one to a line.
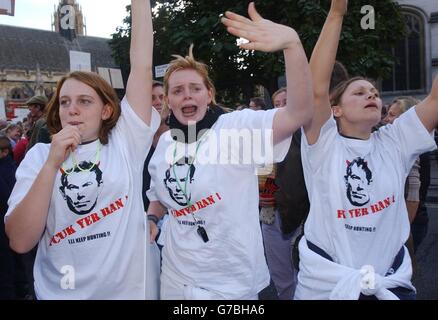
178,178
358,179
81,188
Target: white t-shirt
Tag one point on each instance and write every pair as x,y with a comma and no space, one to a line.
225,202
95,244
356,189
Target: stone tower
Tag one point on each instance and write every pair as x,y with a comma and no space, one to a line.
68,19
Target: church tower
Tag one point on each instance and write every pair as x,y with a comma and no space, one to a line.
68,19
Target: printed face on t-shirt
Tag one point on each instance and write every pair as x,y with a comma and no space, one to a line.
358,179
81,189
177,181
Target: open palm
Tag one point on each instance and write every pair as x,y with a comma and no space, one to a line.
263,35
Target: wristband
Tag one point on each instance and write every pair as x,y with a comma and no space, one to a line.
154,218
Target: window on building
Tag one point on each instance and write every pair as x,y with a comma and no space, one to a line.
408,73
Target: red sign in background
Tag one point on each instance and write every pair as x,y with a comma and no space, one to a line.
10,109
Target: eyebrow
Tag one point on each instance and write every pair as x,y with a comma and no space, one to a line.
80,96
363,87
190,84
85,96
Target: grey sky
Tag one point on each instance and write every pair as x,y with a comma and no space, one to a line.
102,16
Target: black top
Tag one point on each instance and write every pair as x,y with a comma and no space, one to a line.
7,182
147,179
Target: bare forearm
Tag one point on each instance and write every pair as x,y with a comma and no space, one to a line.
156,209
412,207
27,221
323,56
141,37
321,65
427,110
299,85
299,108
139,87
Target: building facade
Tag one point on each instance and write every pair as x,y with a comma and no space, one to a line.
32,61
417,53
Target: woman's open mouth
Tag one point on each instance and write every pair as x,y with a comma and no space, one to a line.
189,111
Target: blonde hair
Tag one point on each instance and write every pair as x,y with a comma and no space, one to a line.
276,93
188,62
405,103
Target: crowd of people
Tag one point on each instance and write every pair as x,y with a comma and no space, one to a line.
168,195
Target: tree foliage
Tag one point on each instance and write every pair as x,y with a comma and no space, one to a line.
179,23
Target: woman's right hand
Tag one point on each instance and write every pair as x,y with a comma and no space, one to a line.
339,7
64,142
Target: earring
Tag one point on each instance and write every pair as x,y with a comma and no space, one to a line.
208,108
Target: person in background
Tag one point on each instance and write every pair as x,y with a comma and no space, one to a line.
276,243
39,131
36,106
157,103
20,148
412,186
3,125
8,259
419,226
13,131
257,103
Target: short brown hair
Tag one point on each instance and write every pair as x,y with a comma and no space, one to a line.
259,102
103,90
156,83
405,103
339,74
338,91
188,62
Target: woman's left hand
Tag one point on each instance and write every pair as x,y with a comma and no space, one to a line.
263,35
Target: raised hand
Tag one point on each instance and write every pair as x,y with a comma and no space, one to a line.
339,7
64,142
262,34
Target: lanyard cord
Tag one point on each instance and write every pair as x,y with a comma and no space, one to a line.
76,164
